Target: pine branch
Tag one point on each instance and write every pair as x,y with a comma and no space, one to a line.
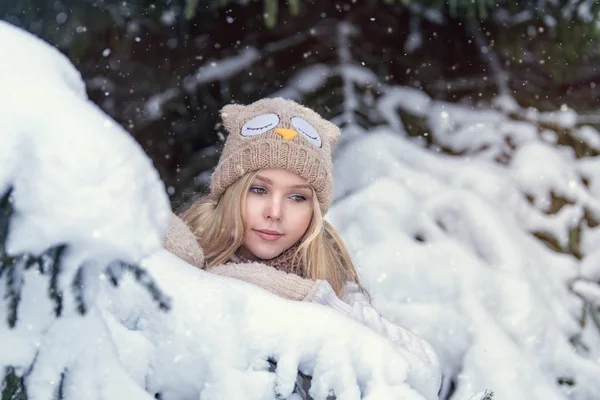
8,265
78,288
14,286
30,261
12,267
594,314
115,272
13,386
6,211
270,12
491,58
60,391
488,395
294,7
54,267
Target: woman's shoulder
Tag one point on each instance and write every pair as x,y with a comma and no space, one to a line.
182,242
352,292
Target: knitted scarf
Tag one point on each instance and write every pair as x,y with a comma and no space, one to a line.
283,262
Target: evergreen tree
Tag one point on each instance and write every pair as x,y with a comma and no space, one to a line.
50,265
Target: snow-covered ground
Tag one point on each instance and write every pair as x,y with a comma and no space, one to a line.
443,242
79,179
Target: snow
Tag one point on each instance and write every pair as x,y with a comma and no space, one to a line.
590,267
443,240
219,70
305,81
70,167
590,136
565,117
79,179
212,70
444,243
154,105
104,181
590,291
414,39
223,336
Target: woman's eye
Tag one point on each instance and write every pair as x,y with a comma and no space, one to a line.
298,198
258,190
260,124
307,130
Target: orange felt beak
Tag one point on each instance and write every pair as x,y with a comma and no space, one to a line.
288,134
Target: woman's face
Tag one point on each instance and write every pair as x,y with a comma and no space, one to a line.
279,208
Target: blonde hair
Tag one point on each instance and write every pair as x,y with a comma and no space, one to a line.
219,226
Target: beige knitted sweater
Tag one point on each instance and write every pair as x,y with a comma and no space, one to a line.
183,243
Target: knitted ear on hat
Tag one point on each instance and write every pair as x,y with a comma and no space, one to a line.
230,114
331,132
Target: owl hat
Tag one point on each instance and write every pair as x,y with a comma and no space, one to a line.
277,133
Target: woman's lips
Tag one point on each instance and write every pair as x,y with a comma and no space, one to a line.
268,235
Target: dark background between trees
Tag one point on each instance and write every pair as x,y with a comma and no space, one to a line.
130,51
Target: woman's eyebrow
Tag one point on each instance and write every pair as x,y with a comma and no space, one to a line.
270,182
301,186
264,179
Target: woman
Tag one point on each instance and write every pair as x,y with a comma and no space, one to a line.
263,219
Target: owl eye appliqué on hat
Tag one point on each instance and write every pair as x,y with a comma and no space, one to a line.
307,130
260,124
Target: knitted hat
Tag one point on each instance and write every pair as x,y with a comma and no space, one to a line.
277,133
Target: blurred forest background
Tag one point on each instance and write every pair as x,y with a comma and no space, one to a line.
163,69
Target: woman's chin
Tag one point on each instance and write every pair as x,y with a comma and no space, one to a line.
266,254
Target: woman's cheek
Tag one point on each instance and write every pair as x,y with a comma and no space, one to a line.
305,213
252,207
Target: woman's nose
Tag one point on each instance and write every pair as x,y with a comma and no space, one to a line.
273,209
